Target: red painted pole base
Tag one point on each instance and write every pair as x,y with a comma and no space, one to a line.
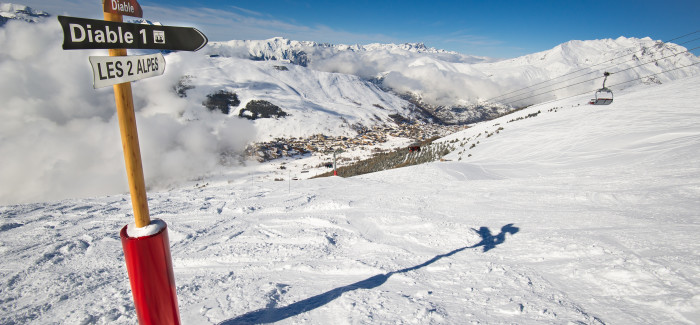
150,270
335,173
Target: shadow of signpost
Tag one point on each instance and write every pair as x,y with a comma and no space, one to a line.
275,314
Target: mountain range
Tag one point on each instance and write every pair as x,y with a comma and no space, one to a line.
443,79
443,87
432,85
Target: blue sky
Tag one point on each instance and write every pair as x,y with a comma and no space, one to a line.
501,29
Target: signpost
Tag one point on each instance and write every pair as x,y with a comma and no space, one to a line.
83,34
146,249
112,70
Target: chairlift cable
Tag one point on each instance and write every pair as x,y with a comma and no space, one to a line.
692,40
617,84
654,74
553,90
551,79
679,53
613,59
679,37
629,68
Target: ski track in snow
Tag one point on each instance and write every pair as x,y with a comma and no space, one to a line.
604,200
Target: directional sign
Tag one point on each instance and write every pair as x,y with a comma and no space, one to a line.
82,34
112,70
123,7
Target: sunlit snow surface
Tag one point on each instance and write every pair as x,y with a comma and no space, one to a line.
584,214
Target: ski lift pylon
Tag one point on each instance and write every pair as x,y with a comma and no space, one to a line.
603,96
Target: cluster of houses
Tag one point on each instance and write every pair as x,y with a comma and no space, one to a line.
364,140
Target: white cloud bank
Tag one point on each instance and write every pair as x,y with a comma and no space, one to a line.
59,137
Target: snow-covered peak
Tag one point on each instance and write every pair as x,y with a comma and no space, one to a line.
410,47
277,48
11,11
145,22
580,53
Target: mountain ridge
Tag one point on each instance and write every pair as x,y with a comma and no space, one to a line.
11,11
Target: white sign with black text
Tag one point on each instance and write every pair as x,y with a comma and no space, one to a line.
112,70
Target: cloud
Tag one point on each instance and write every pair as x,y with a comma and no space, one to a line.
59,137
246,11
437,81
439,87
236,23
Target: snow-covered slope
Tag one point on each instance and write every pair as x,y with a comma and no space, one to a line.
317,102
604,136
578,214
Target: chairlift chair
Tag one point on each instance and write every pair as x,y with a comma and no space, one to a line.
603,96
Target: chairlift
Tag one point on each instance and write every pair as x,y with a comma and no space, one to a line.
603,96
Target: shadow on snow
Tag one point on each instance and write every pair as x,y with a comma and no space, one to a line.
275,314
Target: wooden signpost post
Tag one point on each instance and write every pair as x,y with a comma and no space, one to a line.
130,141
146,247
